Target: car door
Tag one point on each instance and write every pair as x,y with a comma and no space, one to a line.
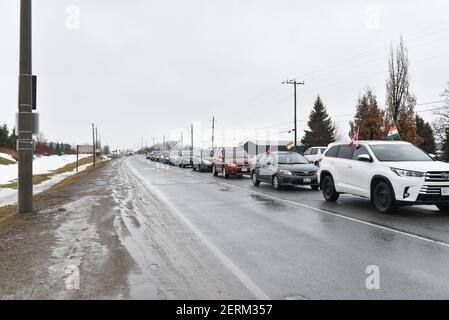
343,166
359,183
260,166
267,169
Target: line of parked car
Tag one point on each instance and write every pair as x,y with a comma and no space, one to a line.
388,173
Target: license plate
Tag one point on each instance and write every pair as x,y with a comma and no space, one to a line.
445,191
244,169
306,180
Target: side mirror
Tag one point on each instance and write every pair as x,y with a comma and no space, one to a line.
268,163
365,158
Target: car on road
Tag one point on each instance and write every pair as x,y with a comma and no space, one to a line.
175,156
284,168
185,159
202,159
164,157
314,154
230,161
389,173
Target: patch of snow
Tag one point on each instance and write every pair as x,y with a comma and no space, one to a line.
7,157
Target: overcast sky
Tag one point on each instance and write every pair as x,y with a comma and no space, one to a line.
150,68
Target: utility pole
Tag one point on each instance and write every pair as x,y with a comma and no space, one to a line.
153,143
94,147
25,124
181,140
191,143
294,83
163,139
213,131
96,141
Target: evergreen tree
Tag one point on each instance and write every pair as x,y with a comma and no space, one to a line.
58,149
4,134
322,130
51,148
425,131
106,150
12,139
369,118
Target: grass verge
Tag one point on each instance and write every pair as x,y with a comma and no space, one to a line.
5,162
39,178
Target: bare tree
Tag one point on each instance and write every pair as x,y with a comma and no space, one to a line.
400,102
441,122
398,81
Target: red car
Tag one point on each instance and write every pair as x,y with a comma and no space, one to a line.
230,161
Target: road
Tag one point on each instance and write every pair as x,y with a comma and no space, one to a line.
291,244
135,229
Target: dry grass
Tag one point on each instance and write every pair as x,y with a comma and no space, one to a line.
5,162
39,178
42,200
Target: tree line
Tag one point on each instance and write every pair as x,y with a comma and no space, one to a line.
374,122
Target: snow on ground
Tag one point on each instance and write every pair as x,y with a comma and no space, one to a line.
7,157
43,164
40,165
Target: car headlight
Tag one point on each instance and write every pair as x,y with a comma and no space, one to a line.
408,173
285,172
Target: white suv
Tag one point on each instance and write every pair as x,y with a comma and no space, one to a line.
314,154
389,173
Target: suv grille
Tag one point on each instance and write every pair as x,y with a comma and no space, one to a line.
304,173
437,176
432,190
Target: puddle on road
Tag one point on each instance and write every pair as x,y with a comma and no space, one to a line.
270,203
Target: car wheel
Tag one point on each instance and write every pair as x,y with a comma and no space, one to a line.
383,198
315,187
443,207
256,181
276,184
214,171
225,173
328,188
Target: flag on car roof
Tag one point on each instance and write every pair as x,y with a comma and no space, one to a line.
393,132
354,138
290,145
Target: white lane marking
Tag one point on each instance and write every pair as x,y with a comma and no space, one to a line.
247,282
404,233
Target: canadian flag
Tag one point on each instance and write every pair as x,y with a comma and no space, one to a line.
290,145
354,138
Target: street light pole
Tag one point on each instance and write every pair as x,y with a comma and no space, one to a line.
294,83
25,125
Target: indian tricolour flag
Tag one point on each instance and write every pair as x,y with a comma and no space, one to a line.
393,132
290,145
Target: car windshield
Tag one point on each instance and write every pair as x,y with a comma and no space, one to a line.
290,158
399,152
235,153
207,153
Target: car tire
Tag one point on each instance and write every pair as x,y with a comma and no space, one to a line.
276,184
225,174
383,198
256,181
443,207
214,171
315,187
328,188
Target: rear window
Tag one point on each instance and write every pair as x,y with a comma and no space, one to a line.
332,152
345,152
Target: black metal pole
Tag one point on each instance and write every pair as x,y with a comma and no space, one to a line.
25,125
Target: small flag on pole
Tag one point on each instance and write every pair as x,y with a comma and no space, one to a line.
290,145
354,138
393,132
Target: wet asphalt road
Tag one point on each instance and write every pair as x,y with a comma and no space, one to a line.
291,244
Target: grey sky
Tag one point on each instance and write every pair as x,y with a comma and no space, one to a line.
152,67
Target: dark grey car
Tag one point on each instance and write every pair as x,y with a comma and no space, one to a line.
284,169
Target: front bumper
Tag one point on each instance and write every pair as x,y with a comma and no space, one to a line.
298,180
409,191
